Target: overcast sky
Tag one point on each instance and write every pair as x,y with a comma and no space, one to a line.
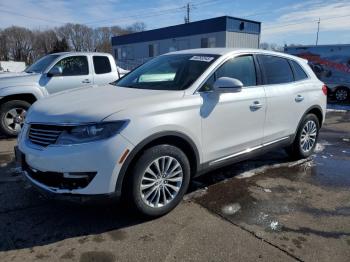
284,21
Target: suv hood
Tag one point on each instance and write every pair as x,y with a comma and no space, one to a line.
13,79
93,104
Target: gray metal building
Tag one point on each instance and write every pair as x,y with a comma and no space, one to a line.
133,49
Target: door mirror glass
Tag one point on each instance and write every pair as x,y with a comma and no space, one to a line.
227,85
55,71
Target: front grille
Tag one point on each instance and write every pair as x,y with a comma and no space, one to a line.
44,135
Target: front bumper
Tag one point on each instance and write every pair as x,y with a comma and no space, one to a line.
99,158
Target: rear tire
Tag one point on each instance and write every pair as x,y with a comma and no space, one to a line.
342,94
159,180
305,139
12,116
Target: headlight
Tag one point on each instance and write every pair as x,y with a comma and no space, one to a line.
91,132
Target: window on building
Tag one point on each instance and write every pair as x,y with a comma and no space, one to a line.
299,73
153,50
74,66
207,42
123,53
276,70
102,65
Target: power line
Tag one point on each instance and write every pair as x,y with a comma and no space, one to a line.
30,17
160,12
304,22
149,14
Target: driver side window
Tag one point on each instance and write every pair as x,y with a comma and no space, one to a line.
241,68
74,66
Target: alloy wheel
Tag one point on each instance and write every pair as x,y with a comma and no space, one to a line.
308,136
14,119
161,181
341,94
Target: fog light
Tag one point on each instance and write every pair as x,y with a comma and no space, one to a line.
78,175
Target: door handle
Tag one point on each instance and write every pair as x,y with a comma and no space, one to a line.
299,98
256,105
86,81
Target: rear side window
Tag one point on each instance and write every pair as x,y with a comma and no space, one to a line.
276,70
299,73
101,65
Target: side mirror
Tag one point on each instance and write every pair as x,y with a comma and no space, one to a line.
228,85
55,71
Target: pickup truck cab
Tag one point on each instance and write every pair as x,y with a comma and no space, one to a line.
51,74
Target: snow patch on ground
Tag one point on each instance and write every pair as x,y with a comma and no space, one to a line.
255,171
274,225
231,209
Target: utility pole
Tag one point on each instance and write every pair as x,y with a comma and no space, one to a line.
188,10
318,30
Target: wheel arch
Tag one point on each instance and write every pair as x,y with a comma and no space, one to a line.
174,138
28,97
316,110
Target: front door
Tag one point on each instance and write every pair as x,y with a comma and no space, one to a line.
232,123
75,73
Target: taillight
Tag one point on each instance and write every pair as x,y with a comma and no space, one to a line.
324,89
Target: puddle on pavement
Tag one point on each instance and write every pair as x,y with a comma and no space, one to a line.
295,187
5,159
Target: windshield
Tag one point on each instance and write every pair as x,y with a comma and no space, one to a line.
40,65
168,72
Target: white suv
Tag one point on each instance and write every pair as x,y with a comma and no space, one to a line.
172,118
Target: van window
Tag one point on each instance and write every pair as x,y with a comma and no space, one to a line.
276,70
299,73
101,65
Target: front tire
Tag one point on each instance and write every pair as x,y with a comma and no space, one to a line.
12,116
306,138
159,180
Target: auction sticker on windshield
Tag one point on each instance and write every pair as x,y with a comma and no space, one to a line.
202,58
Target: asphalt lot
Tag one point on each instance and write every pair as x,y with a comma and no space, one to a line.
265,209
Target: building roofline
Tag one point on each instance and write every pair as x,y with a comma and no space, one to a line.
174,27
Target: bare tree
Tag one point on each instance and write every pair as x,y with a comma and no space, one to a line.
271,46
137,27
4,50
103,36
44,42
80,37
20,43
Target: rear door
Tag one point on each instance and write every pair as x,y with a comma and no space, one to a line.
103,70
232,123
286,97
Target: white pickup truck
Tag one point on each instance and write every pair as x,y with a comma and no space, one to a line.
51,74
